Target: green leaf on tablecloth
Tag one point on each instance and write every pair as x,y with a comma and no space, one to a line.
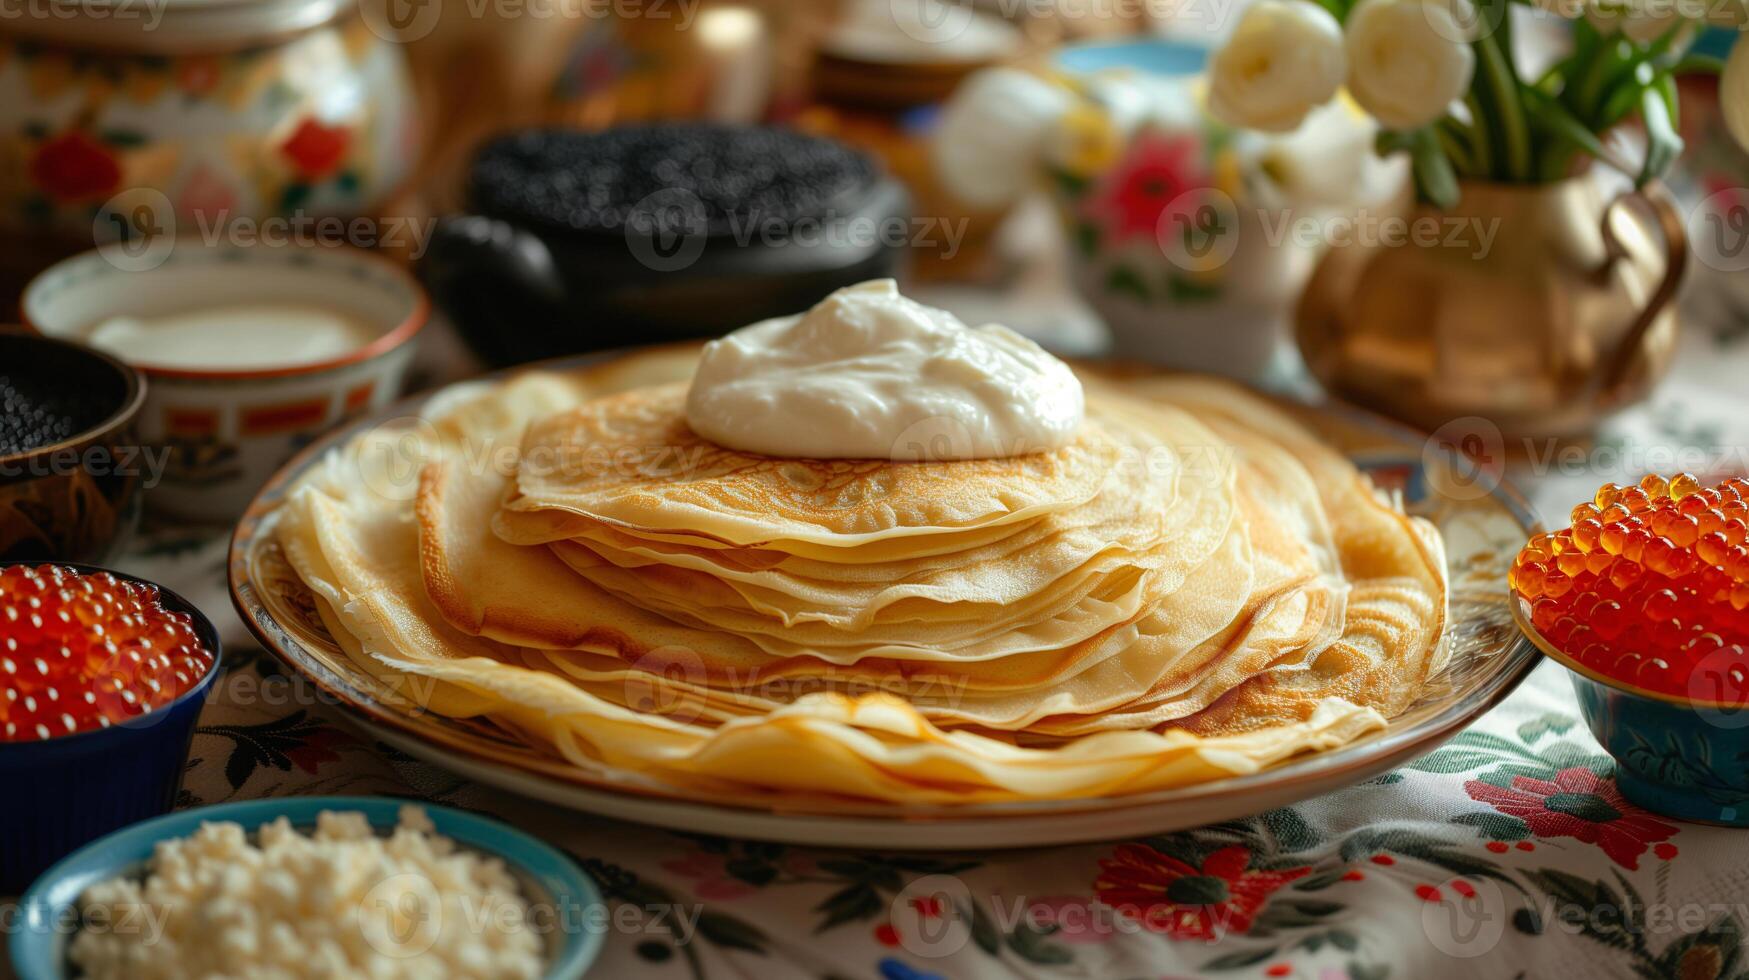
1528,921
1553,722
1030,944
278,743
984,931
757,872
1636,906
1712,952
1452,760
853,903
1319,881
730,932
931,866
1296,914
1496,826
1503,774
1494,743
1290,830
612,878
1240,960
1566,755
1385,779
1411,844
1181,847
1363,971
1344,940
1577,902
764,849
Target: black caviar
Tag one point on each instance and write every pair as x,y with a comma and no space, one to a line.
34,413
675,177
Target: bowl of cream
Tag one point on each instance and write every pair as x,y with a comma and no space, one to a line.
248,353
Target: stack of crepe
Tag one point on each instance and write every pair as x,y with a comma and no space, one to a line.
1194,588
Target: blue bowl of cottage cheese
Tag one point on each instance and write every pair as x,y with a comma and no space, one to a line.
359,885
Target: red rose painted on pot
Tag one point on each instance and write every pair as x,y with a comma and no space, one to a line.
198,75
73,167
1582,805
1167,895
315,150
1158,169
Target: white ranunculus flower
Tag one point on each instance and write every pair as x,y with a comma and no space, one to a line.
1283,59
1734,92
1642,21
1409,59
992,135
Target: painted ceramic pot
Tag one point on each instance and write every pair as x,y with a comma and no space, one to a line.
1170,219
1684,757
225,109
226,431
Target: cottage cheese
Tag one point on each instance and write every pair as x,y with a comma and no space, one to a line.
341,903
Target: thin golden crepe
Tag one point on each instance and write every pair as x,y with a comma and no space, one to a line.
1194,589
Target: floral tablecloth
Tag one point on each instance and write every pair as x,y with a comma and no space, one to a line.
1509,852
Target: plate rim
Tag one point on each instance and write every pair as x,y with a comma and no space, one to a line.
1361,758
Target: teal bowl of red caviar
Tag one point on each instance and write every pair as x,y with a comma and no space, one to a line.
1645,600
102,679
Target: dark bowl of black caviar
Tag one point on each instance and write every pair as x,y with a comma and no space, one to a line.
71,464
578,241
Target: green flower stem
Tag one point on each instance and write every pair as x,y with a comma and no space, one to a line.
1605,65
1624,97
1495,73
1433,171
1481,141
1454,140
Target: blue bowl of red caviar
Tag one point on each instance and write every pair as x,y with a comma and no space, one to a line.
73,776
1645,601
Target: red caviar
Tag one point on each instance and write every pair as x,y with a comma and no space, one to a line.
1650,585
80,651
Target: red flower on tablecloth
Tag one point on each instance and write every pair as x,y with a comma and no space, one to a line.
199,74
73,167
207,194
710,877
316,150
1167,895
1582,805
317,748
1158,169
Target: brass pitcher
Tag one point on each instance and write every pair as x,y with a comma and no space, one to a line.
1541,308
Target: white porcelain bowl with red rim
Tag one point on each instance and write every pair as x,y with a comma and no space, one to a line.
212,436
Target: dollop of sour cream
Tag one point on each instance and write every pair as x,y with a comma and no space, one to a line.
870,374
